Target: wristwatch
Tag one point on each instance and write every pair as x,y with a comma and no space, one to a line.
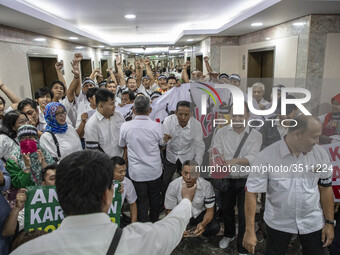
331,222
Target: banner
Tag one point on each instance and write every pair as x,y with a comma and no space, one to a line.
333,151
43,211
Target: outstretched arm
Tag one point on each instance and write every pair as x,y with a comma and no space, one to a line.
9,93
185,76
120,71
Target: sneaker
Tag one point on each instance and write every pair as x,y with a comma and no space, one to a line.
224,243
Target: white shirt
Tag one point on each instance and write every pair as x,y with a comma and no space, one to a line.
147,92
103,132
89,114
7,145
142,136
263,102
293,199
129,192
227,140
92,234
68,143
186,143
204,195
82,104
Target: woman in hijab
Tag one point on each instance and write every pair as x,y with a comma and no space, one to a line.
8,133
59,138
27,161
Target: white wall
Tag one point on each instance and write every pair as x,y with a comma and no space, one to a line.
331,75
230,59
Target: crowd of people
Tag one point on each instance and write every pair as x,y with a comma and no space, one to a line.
58,130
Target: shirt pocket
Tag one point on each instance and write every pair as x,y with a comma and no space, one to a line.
280,184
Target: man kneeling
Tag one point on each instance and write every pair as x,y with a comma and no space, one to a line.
203,204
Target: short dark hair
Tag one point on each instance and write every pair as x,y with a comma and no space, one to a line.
58,82
130,93
190,163
128,73
8,123
3,101
43,92
49,167
130,78
81,180
103,95
91,92
171,78
24,237
117,161
142,105
182,103
27,101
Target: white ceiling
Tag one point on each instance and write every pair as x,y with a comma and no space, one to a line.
158,23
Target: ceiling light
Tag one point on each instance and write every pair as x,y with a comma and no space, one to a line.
130,16
101,46
190,40
156,56
268,38
177,48
79,47
257,24
73,38
299,24
40,39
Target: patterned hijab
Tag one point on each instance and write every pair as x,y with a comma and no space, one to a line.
52,125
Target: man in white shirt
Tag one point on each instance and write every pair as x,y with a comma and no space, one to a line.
87,229
226,143
186,142
82,104
203,204
129,193
143,138
102,130
299,197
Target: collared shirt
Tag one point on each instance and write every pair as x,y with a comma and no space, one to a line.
263,102
129,192
92,234
186,143
68,143
147,92
103,134
293,198
143,136
227,141
82,104
89,114
204,196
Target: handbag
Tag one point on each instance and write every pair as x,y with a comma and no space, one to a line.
223,183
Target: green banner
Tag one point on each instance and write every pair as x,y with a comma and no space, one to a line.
43,211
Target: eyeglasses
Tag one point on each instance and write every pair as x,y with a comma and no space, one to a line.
22,121
60,113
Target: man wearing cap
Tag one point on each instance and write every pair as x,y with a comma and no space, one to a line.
146,88
235,79
299,195
162,84
83,105
223,78
331,123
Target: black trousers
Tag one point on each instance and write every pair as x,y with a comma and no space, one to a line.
278,241
211,229
148,196
168,172
234,195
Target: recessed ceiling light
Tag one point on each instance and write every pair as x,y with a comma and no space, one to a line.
79,47
130,16
299,24
40,39
257,24
101,46
73,38
268,38
190,40
177,48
